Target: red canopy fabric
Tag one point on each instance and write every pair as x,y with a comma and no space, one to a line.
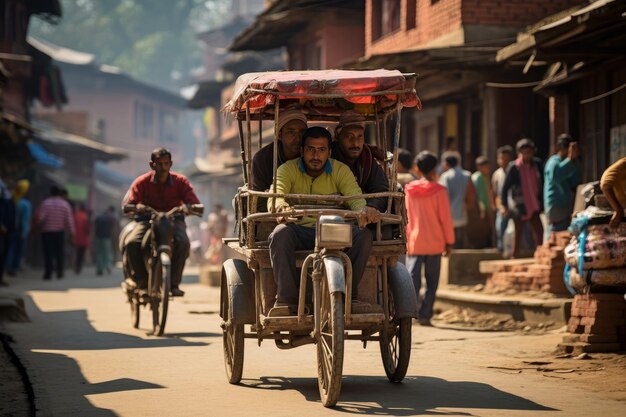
303,84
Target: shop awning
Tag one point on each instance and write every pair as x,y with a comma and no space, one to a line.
43,157
57,137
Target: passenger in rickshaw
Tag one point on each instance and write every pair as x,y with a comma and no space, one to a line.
291,126
350,148
313,173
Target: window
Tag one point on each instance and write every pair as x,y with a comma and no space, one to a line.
168,126
144,121
390,16
385,17
411,14
101,130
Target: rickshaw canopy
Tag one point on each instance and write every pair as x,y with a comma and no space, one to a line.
366,88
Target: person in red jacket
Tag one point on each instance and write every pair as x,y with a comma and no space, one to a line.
82,236
430,233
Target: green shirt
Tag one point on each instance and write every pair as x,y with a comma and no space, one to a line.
481,184
337,179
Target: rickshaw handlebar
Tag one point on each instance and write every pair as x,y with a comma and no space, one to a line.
299,213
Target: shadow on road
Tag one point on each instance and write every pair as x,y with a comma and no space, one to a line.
72,387
416,395
75,332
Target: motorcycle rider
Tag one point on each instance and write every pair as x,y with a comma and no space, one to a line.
162,190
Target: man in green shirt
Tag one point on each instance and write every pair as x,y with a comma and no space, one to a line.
314,173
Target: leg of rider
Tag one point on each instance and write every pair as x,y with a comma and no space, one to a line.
136,255
284,241
180,252
358,254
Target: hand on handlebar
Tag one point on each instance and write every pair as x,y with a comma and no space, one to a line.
368,215
288,217
141,208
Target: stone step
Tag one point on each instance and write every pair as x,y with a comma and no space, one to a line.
519,308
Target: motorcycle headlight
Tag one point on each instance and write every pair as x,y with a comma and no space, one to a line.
334,235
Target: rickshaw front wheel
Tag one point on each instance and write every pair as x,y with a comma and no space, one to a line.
330,345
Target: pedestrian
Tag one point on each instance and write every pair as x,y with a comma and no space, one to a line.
19,237
430,233
82,237
405,167
7,225
561,177
613,185
217,224
504,156
522,191
105,228
483,225
54,217
461,193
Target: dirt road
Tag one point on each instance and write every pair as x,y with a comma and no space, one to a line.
84,359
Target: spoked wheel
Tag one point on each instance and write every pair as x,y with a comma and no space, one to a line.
330,343
134,311
232,333
395,344
160,292
233,352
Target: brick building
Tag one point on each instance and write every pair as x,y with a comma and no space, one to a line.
583,60
451,45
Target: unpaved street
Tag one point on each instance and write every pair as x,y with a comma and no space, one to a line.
84,359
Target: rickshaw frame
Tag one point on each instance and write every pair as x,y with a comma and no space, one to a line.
255,251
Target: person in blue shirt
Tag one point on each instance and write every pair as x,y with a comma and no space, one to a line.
561,177
23,213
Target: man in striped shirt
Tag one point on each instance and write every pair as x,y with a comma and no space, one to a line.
53,217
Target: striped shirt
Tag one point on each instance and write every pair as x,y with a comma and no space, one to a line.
54,214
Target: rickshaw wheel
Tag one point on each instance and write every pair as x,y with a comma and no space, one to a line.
330,345
161,283
232,337
395,345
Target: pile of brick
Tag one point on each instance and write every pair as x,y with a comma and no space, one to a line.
597,324
543,273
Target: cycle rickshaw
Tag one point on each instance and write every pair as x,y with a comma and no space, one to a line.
247,285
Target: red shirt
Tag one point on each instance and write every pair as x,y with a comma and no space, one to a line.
162,197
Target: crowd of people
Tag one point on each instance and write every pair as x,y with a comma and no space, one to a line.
58,223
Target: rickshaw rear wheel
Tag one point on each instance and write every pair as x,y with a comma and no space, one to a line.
330,345
395,345
233,352
232,333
